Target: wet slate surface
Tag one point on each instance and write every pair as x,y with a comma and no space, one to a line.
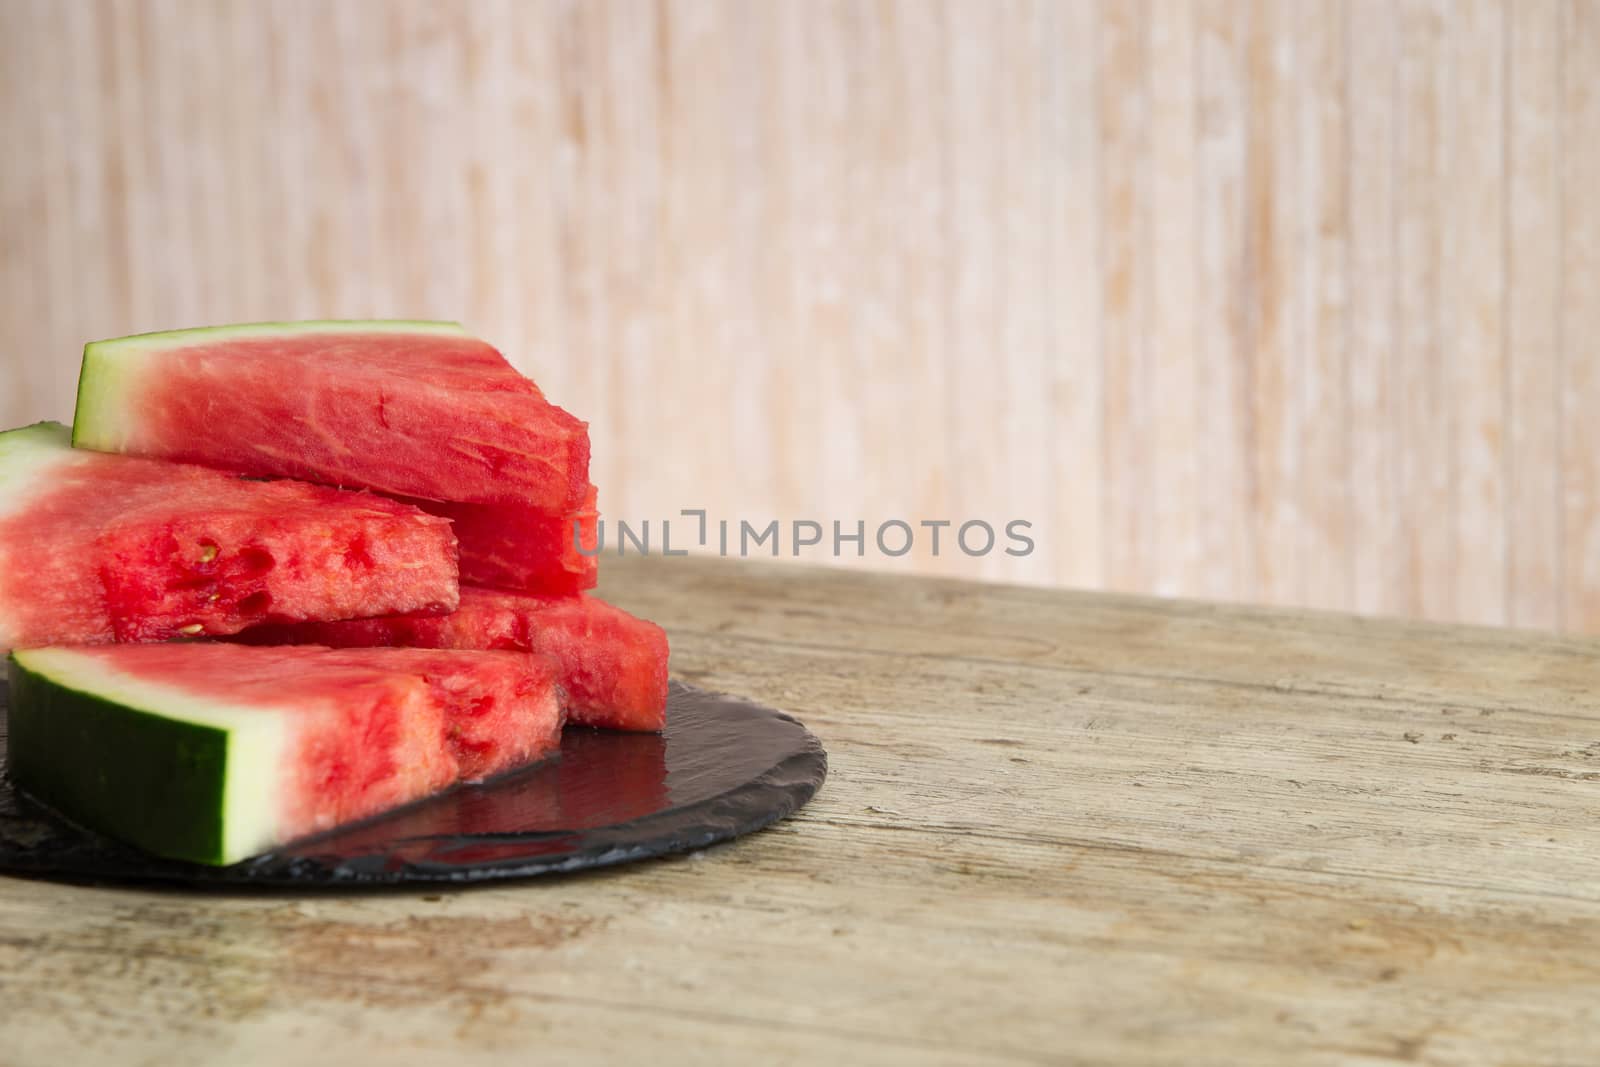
724,767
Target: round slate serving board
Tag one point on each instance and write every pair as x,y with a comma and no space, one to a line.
724,767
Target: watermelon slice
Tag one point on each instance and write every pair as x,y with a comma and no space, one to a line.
212,753
417,409
96,548
612,665
523,549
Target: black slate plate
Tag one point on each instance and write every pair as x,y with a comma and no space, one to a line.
724,767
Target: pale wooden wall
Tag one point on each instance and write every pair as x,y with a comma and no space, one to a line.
1272,301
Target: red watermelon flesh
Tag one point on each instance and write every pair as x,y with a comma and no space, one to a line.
612,665
410,409
495,717
96,548
523,549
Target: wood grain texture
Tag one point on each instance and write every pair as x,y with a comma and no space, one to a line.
1290,302
1058,828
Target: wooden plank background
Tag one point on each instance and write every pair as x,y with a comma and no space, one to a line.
1278,301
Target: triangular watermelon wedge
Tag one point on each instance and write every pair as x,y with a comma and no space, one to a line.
213,753
418,409
96,548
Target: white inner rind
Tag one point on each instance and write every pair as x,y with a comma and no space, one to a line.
30,459
112,369
105,387
257,748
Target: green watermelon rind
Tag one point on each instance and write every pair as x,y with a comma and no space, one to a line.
142,761
101,385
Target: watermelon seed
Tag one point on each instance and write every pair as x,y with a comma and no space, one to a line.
190,630
208,552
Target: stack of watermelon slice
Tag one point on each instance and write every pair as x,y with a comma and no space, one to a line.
278,577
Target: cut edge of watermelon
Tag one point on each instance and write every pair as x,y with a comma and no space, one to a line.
253,744
29,455
108,363
31,459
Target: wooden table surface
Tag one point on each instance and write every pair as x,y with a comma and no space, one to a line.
1059,828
